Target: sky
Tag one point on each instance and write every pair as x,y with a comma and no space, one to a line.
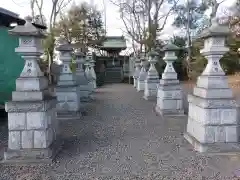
114,23
22,7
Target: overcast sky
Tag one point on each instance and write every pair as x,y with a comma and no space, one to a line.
114,24
22,7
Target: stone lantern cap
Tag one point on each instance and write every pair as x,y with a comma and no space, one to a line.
92,60
137,60
28,29
89,54
79,53
152,53
142,56
215,30
63,45
158,49
89,57
170,47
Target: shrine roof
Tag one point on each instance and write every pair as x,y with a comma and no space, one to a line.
7,17
114,37
113,43
110,48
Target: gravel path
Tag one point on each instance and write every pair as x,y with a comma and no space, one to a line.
121,138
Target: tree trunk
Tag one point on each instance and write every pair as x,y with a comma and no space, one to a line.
50,76
189,52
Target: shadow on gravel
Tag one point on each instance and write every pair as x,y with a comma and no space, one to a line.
3,132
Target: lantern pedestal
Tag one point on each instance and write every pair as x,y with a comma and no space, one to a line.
169,98
90,85
33,132
135,81
141,82
91,90
150,91
212,119
84,91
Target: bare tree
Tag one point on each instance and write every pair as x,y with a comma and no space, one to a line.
144,18
133,18
214,6
232,18
57,7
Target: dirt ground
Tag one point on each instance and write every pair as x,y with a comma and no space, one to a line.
233,80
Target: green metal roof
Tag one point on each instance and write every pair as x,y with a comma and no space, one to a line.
7,17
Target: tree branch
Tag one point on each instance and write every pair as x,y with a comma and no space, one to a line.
167,15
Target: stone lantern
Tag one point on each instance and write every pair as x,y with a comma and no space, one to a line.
67,89
212,118
87,69
137,71
91,68
81,77
89,76
152,80
91,71
169,95
33,129
142,74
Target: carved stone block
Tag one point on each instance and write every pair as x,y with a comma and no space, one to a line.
150,88
16,121
27,139
14,140
169,99
140,85
37,120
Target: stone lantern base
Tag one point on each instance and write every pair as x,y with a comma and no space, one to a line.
84,92
150,91
83,87
140,85
91,88
213,121
135,80
169,98
68,106
33,132
94,85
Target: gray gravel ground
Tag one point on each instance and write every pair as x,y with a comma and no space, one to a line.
121,138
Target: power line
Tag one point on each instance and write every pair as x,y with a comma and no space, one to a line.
21,4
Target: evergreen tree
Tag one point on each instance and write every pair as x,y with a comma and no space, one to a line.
81,24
